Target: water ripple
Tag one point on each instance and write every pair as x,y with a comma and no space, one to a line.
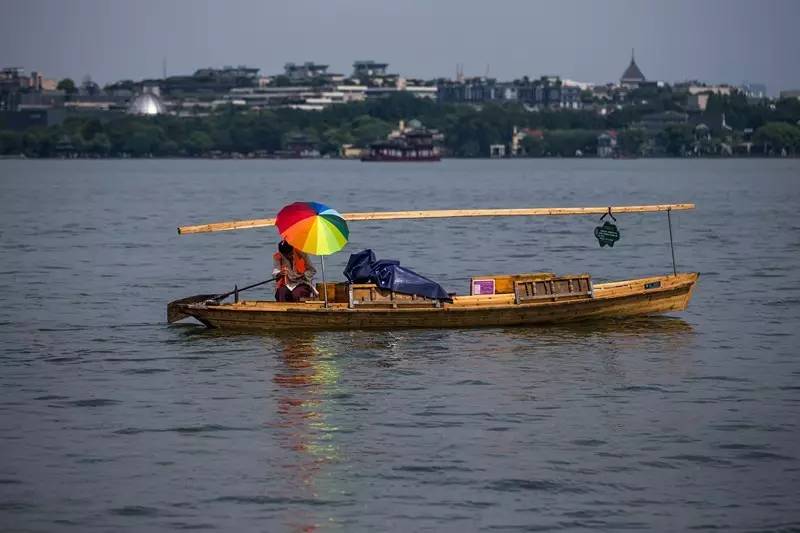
112,420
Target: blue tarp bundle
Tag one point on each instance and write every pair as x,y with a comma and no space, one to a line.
363,267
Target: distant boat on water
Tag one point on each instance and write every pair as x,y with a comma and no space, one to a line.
408,143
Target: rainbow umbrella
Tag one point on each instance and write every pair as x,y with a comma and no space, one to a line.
313,228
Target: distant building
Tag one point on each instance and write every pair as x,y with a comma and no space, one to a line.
582,85
12,80
754,90
29,118
469,90
35,81
90,103
305,72
353,93
262,97
604,93
697,93
147,103
207,83
89,88
697,102
792,93
413,142
430,92
299,146
702,132
41,100
418,88
241,74
548,92
497,151
607,143
48,84
508,92
13,76
696,87
368,69
349,151
123,89
15,85
317,101
519,134
303,97
632,77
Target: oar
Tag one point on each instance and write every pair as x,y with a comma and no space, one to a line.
174,308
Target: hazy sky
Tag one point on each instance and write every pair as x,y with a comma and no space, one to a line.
586,40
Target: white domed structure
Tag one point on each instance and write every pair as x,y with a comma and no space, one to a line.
146,104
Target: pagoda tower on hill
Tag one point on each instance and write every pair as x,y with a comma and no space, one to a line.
632,76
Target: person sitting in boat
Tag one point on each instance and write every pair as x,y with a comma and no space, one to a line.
293,273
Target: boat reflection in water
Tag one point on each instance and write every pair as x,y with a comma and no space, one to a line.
631,329
305,379
626,349
668,334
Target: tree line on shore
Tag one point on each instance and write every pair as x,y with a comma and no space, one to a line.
469,131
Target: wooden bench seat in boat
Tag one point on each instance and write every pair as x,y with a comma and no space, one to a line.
571,287
504,283
370,295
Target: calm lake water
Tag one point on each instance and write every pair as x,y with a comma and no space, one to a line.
112,420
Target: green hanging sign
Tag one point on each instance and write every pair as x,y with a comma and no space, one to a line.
607,234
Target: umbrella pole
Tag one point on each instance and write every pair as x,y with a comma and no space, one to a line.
324,286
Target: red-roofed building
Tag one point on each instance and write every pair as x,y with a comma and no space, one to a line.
607,143
521,133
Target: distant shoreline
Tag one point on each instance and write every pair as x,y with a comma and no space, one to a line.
413,163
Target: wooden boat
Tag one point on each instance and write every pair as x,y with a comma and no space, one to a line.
396,151
412,144
515,300
645,296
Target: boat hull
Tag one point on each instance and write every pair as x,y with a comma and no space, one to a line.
612,300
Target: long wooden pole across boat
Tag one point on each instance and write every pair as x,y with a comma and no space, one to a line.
447,213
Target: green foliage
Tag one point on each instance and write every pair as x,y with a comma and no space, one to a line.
144,141
779,136
99,145
741,113
10,143
469,149
40,142
533,146
468,130
366,129
198,143
631,141
334,138
677,139
91,128
67,85
566,143
622,118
